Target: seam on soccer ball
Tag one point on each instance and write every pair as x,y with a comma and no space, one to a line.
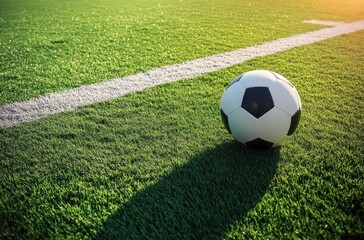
227,114
285,81
274,74
283,111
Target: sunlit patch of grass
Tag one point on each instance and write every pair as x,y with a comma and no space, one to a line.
48,46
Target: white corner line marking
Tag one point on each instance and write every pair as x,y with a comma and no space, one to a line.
19,112
324,23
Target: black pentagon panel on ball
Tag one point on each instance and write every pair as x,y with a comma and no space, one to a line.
295,119
259,144
225,120
257,101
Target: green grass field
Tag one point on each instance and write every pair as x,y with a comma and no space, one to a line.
158,163
48,46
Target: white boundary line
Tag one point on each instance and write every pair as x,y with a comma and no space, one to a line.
325,23
36,108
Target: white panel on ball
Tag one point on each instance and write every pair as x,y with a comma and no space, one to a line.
273,126
232,98
279,76
243,125
257,78
285,97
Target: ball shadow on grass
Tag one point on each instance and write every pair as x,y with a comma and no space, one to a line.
198,200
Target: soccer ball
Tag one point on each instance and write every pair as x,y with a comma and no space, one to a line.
260,109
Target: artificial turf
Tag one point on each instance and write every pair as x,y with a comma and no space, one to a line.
158,163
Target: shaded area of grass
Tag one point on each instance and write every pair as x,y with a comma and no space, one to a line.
81,166
198,200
